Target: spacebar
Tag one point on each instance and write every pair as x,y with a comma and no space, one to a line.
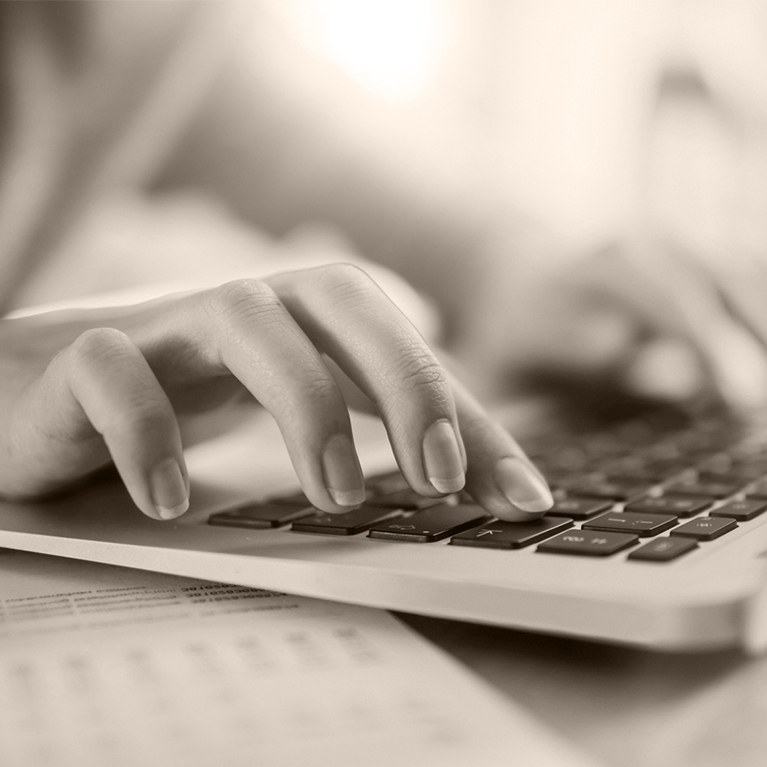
432,524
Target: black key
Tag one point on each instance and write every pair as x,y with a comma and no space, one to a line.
259,516
387,483
587,544
663,549
759,490
614,488
431,524
406,500
579,508
511,535
705,528
643,525
740,510
348,523
294,499
678,505
708,489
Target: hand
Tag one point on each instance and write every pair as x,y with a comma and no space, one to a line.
648,316
81,388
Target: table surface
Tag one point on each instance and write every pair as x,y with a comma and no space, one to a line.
623,706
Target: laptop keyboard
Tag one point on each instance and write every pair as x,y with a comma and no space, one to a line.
655,487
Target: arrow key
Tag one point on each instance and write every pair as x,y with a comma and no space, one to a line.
511,535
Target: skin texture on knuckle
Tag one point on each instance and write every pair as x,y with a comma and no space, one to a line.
244,299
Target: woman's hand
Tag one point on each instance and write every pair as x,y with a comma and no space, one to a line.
81,388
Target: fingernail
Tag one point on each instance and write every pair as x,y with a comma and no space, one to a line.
442,458
170,493
343,475
524,488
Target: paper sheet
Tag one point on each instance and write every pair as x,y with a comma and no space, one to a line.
109,666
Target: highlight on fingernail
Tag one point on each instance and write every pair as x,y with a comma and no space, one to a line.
170,490
342,473
442,458
522,485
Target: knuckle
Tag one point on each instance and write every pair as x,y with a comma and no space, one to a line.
345,280
420,371
243,298
97,344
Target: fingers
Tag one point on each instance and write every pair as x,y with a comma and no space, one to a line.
101,391
348,317
437,431
500,476
252,335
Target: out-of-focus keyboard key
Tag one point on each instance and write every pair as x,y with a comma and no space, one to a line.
407,500
387,483
432,524
758,490
663,549
587,543
260,516
678,505
705,528
511,535
742,511
708,489
643,525
348,523
294,499
579,508
613,488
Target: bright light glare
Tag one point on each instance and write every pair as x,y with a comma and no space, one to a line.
391,46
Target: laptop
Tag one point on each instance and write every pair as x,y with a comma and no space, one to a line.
658,538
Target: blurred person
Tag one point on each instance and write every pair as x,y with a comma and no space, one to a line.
102,102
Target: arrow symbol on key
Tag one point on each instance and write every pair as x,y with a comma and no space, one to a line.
488,532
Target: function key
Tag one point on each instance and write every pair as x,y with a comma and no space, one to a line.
347,523
678,505
587,543
260,516
579,508
432,524
663,549
511,535
705,528
643,525
741,511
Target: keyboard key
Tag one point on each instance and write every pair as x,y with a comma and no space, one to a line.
643,525
741,511
432,524
708,489
294,499
663,549
578,508
705,528
613,488
587,544
758,490
387,483
511,535
678,505
348,523
406,500
260,516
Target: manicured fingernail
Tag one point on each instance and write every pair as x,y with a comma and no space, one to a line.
523,486
343,475
170,493
442,458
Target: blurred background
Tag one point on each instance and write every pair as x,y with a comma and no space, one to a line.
596,116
